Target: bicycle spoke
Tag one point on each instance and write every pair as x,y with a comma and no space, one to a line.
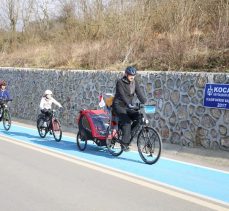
56,129
6,119
112,140
81,143
149,145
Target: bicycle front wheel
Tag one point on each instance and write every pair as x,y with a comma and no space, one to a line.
6,119
113,138
149,145
56,129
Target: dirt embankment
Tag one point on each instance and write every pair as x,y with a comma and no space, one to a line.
163,35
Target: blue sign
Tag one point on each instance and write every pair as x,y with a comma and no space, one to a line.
216,96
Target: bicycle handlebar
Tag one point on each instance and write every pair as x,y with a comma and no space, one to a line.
2,101
139,106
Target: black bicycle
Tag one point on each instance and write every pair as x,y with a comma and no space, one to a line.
53,126
5,114
149,143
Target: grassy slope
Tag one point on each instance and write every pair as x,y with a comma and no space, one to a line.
155,35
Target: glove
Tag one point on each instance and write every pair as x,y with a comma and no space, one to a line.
131,106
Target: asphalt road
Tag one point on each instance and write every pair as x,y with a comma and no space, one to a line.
35,179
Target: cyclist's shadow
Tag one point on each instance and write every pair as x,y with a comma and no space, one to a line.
91,149
19,134
49,141
103,151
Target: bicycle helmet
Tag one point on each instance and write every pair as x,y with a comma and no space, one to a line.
48,92
131,70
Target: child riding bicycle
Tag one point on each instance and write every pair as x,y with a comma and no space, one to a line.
46,106
4,95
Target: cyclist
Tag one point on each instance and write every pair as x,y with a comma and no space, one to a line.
46,105
126,88
4,95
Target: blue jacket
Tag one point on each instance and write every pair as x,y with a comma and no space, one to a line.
4,95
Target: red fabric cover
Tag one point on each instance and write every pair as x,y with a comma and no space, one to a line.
55,125
87,113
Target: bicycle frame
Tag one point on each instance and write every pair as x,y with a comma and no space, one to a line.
142,122
52,123
53,127
149,143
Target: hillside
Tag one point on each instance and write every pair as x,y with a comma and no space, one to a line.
110,34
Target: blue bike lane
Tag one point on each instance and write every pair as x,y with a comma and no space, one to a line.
207,182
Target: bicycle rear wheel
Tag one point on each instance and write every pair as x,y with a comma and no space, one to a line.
56,129
81,143
113,138
6,119
41,129
149,145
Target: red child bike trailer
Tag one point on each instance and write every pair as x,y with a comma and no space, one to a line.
93,126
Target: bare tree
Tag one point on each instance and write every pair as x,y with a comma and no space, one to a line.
68,17
27,12
43,12
12,11
9,14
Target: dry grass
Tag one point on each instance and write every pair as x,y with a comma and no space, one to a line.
156,35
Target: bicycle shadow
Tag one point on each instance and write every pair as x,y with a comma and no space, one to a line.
51,143
19,134
91,149
64,145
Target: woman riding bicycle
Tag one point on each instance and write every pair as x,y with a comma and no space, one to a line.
126,88
46,105
4,95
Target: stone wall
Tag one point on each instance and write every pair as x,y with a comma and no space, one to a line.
180,117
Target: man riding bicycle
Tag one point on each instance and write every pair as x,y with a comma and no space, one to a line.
126,88
4,95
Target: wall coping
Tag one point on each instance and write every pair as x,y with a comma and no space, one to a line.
116,71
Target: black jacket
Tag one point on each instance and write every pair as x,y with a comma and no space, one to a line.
125,93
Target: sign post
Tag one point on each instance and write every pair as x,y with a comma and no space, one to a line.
216,96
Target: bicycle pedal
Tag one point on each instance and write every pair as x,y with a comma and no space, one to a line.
125,148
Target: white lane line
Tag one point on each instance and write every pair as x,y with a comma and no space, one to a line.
165,158
217,205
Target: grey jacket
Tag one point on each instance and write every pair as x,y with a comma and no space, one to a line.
125,91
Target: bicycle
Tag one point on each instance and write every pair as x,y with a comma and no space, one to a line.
149,143
53,126
5,114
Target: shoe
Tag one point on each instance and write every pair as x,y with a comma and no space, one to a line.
126,147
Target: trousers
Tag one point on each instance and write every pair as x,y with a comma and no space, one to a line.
128,119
